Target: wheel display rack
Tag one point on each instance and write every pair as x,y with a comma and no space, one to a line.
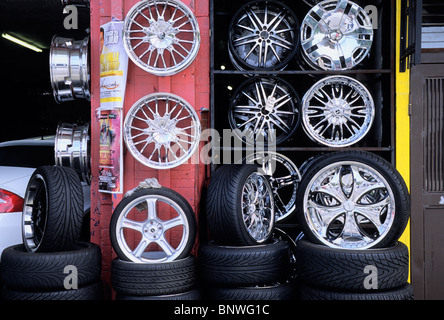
376,72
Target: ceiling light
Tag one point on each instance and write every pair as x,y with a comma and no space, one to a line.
20,42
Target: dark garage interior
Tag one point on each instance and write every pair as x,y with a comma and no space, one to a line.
28,105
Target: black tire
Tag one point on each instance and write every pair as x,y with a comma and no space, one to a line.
27,271
153,279
171,195
224,206
53,210
244,266
281,291
90,292
347,270
395,183
189,295
310,293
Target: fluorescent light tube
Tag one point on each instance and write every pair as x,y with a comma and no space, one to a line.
20,42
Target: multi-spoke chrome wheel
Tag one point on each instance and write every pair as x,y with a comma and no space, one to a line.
263,35
349,205
257,207
152,226
161,37
162,130
337,111
264,111
284,178
336,35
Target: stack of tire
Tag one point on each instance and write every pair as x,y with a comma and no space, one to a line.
145,276
236,263
334,261
52,263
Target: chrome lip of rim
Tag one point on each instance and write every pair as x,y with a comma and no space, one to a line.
337,111
152,230
271,107
344,196
258,207
336,35
165,33
268,163
29,224
170,129
72,149
257,41
69,69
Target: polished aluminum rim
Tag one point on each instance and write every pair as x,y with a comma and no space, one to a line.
284,178
69,69
35,213
145,226
336,35
161,37
72,149
337,111
264,111
258,207
263,35
349,205
162,130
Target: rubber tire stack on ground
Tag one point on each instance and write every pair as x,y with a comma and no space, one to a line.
233,265
379,272
168,280
54,265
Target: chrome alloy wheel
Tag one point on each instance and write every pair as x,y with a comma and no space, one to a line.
161,37
144,229
265,111
258,207
349,205
284,178
336,35
263,35
162,130
337,111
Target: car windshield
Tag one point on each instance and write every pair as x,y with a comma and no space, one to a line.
27,156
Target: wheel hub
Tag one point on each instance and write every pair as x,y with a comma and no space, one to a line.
153,230
163,34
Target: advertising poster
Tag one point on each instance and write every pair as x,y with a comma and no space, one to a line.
113,65
110,157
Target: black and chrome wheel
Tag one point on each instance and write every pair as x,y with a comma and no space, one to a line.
337,111
263,35
264,110
162,130
336,35
161,37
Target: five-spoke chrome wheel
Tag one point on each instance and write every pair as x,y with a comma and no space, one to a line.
162,130
161,37
264,111
263,35
337,111
336,35
349,204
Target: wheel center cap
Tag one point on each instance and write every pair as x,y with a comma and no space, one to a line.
264,35
152,230
349,206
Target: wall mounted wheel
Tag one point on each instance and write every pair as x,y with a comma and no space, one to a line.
263,35
336,35
153,226
162,131
264,110
353,200
337,111
161,37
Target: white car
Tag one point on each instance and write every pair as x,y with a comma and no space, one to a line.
18,161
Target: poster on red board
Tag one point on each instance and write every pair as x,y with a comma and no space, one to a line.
110,157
